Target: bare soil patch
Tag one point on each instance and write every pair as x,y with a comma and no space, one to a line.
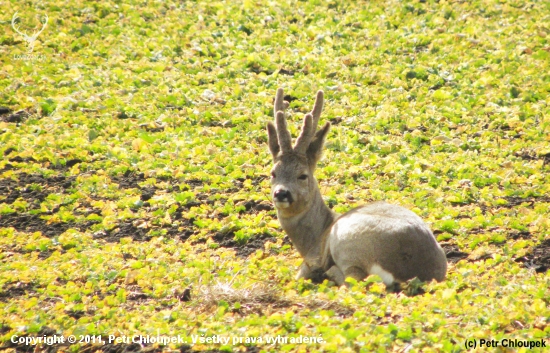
33,188
129,180
227,240
8,116
538,258
30,223
454,255
530,156
16,289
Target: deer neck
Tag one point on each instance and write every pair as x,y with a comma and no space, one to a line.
307,229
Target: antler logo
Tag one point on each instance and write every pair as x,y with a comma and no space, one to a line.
30,39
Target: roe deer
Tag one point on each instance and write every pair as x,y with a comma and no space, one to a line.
378,238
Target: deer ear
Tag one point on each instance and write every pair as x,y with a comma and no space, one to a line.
272,139
315,149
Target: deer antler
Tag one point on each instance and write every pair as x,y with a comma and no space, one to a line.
13,19
45,23
30,39
310,125
278,133
283,135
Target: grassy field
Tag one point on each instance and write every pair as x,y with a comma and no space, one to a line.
134,189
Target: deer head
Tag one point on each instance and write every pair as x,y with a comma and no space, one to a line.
30,39
293,184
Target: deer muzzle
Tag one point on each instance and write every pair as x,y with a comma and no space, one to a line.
282,198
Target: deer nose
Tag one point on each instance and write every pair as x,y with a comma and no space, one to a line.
282,195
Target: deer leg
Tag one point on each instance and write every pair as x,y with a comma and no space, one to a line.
356,273
339,277
335,275
304,271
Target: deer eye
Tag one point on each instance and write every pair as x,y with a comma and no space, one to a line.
303,177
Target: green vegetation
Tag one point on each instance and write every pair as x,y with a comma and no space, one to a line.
133,179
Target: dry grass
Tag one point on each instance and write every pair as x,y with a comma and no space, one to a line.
258,297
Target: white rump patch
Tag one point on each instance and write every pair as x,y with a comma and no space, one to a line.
387,277
279,204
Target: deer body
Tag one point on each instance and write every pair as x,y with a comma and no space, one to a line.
378,238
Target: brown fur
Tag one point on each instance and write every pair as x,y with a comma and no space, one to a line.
378,238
